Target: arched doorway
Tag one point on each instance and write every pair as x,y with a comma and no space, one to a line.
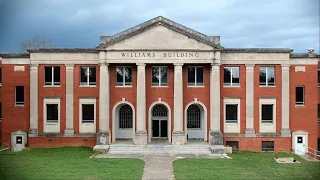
159,122
124,122
196,121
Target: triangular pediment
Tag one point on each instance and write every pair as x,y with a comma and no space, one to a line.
160,33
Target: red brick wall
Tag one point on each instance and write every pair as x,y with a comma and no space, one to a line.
52,92
202,93
14,118
1,102
117,93
60,142
165,93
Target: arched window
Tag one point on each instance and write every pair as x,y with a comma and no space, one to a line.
193,117
159,110
125,117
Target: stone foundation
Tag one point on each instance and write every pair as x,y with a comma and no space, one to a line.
178,138
69,132
250,133
141,138
216,138
33,133
102,138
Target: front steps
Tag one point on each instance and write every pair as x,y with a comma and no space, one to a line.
159,149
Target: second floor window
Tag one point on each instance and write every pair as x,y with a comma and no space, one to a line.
51,75
124,76
267,77
19,95
195,76
0,77
300,95
88,76
231,76
159,76
318,77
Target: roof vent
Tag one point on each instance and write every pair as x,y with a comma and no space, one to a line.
310,50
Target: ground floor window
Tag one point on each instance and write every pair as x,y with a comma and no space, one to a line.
52,113
268,146
234,145
87,113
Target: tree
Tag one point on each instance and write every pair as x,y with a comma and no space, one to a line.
35,42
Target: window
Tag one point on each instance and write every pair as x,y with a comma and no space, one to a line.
318,77
0,112
19,95
0,77
87,113
231,76
267,113
300,95
267,76
231,113
267,146
125,117
52,113
318,113
195,76
52,75
193,117
234,145
159,76
124,76
88,75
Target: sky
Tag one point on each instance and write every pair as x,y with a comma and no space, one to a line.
239,23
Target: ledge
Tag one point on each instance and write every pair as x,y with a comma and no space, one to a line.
258,135
63,50
257,50
304,55
56,135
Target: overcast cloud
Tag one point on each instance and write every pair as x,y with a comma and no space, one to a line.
240,23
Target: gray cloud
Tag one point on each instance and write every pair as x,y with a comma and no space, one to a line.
240,23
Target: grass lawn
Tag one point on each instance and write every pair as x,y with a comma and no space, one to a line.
66,163
246,165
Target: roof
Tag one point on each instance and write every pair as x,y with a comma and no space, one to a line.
14,55
213,41
63,50
304,55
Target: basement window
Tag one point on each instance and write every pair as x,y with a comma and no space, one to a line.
19,95
267,146
234,145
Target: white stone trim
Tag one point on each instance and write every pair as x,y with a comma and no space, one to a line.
300,132
51,127
204,120
114,118
15,60
305,61
250,100
69,99
215,98
104,99
231,127
64,58
268,128
34,97
178,97
87,128
150,119
285,124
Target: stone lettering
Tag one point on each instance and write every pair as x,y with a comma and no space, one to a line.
159,54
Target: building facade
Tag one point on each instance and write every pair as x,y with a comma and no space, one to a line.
161,81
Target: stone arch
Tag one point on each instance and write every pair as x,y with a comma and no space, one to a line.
204,118
150,122
115,113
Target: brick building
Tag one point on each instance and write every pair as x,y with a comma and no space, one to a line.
161,81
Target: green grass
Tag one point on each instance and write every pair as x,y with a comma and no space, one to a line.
66,163
246,165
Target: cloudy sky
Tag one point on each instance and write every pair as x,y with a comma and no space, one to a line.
240,23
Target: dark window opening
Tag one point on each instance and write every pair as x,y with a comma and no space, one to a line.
267,113
231,113
300,95
234,145
87,113
267,76
231,76
18,139
52,113
52,75
159,76
195,76
0,77
299,139
19,95
0,112
268,146
88,75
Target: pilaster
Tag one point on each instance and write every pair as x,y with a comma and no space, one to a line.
69,131
33,131
250,132
285,131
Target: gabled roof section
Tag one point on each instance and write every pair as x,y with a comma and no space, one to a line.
213,41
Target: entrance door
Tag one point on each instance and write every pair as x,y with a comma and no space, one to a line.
300,144
159,128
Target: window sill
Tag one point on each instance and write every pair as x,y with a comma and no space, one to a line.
52,123
299,105
262,123
231,123
123,86
231,86
195,86
19,105
88,86
194,128
159,86
262,86
51,86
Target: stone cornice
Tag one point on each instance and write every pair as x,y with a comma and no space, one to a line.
257,50
63,50
304,55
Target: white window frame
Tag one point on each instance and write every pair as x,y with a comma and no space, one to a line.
268,127
52,76
231,84
50,127
87,127
231,127
303,97
15,97
88,77
195,76
159,84
274,70
124,78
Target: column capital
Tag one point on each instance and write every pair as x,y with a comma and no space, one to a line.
250,65
215,64
140,64
285,67
69,67
103,63
34,66
102,55
178,64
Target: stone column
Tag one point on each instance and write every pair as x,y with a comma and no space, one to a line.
178,136
285,131
69,131
141,133
250,132
33,131
216,137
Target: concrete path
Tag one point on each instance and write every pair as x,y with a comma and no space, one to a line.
158,166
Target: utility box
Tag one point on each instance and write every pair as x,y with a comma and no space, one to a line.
229,150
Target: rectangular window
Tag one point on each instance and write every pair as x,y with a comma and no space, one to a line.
0,112
234,145
19,95
267,113
124,76
159,76
318,77
267,77
88,76
195,76
232,113
318,113
52,113
300,95
231,76
52,75
0,77
87,113
268,146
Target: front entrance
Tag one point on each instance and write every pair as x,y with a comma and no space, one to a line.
159,122
300,143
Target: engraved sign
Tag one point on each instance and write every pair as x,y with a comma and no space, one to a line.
300,69
18,68
159,54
